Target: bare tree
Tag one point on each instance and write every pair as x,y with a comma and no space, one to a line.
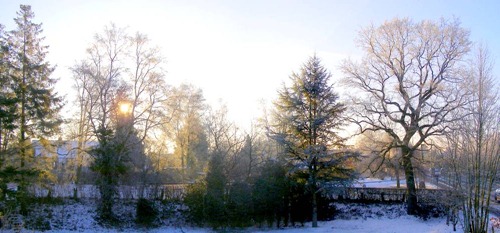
121,92
186,130
148,95
407,84
82,131
254,152
474,147
149,90
225,140
118,63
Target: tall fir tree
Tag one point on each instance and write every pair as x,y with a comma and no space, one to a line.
37,104
308,116
7,116
7,98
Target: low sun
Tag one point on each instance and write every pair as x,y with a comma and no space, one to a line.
125,107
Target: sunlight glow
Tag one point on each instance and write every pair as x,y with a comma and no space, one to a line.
125,107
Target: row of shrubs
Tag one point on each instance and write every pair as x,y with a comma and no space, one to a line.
272,198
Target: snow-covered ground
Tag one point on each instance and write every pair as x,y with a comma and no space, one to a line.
350,218
403,224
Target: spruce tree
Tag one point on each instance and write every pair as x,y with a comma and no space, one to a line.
7,98
7,116
308,115
37,104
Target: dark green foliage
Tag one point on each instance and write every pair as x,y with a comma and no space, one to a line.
195,201
16,200
239,205
300,203
7,119
109,163
38,103
326,209
215,203
215,197
8,99
146,212
215,211
301,206
308,117
29,106
269,192
272,198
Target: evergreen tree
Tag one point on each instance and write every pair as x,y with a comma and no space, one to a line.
269,192
195,201
239,204
113,156
29,104
215,197
7,98
109,170
308,115
38,103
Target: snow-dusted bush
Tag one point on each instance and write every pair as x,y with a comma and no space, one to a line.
146,212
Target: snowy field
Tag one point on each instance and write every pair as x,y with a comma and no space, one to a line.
351,218
403,224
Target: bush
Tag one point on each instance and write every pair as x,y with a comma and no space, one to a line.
215,198
146,213
426,211
194,201
269,191
239,205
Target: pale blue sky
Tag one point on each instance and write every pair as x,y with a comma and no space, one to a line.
240,51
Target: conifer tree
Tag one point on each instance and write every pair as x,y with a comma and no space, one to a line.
37,105
7,98
7,116
308,116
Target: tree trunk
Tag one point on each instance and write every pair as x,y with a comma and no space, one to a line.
314,209
398,183
314,191
411,200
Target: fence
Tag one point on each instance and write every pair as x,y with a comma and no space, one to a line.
168,191
161,192
386,194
